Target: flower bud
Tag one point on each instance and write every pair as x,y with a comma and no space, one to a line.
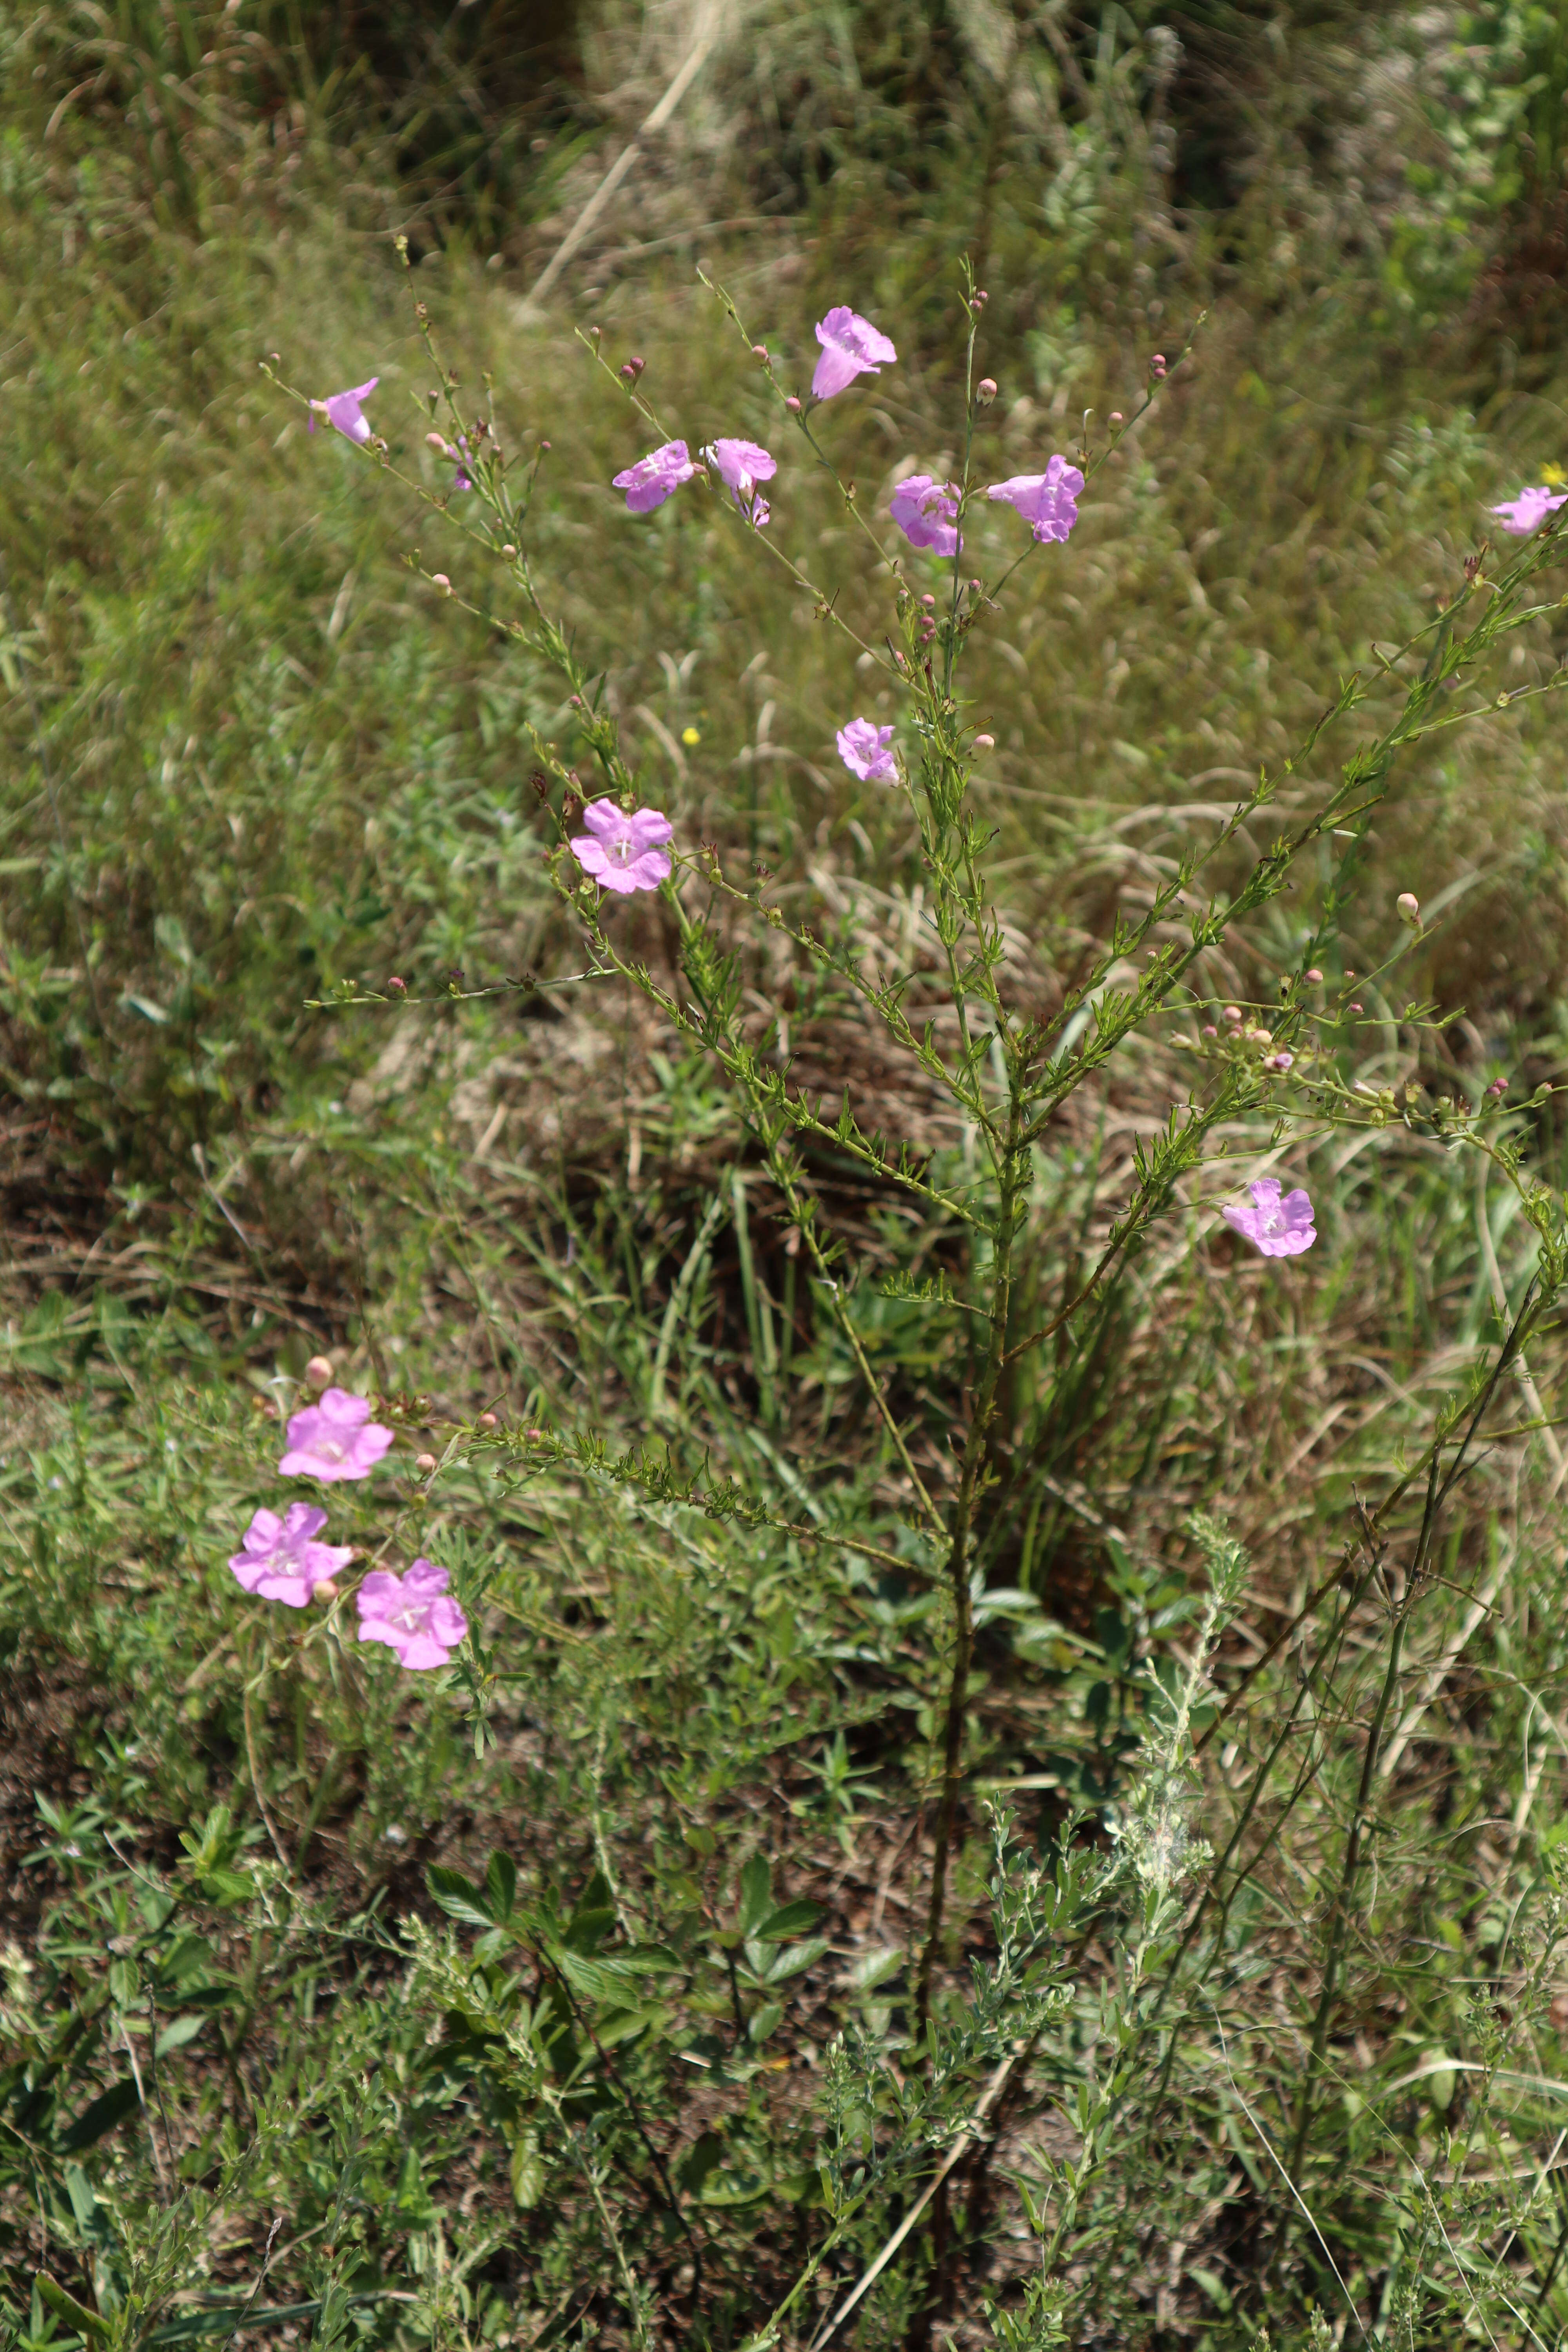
1313,976
634,367
1407,907
425,1464
979,299
510,551
1157,367
985,392
759,350
398,985
928,599
488,1421
596,331
439,580
438,441
1117,417
1209,1029
1355,1008
1280,1061
986,743
792,404
320,1372
1233,1013
325,1592
1498,1086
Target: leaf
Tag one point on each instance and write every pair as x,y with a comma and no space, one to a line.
109,2107
458,1896
76,2314
792,1959
605,1980
793,1919
500,1885
874,1967
177,2032
526,2172
765,2021
756,1892
148,1006
593,1917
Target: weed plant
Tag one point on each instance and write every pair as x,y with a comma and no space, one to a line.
1001,1783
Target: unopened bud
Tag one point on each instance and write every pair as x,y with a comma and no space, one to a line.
488,1421
1209,1029
986,743
542,446
985,392
633,368
319,1371
596,331
510,551
425,1464
1280,1061
1355,1008
398,985
1313,975
1117,417
759,350
1498,1086
928,599
1232,1011
325,1591
979,299
438,441
439,580
1407,907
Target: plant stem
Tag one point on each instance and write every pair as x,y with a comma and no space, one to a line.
974,1454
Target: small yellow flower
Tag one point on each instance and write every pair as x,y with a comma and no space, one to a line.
689,735
1552,475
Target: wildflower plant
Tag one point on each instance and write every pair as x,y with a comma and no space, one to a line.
980,1018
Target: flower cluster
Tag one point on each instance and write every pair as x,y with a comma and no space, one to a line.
281,1558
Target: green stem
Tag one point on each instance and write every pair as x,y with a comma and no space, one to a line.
961,1522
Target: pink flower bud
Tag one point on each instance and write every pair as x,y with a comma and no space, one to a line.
438,441
1157,367
396,986
1349,973
425,1464
1117,417
985,392
325,1591
439,580
1232,1013
928,598
510,551
759,350
986,743
1280,1061
1407,907
320,1372
1357,1008
1313,975
1209,1029
634,367
979,299
488,1421
1498,1086
792,404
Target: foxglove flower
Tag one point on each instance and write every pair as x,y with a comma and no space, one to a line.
742,464
925,512
851,346
1279,1228
622,853
1047,502
343,413
1520,516
413,1614
656,477
865,751
281,1560
334,1439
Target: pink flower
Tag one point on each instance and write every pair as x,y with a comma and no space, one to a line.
925,512
334,1439
743,465
1047,502
865,751
280,1559
653,479
412,1614
622,853
1279,1228
342,410
851,346
1520,514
